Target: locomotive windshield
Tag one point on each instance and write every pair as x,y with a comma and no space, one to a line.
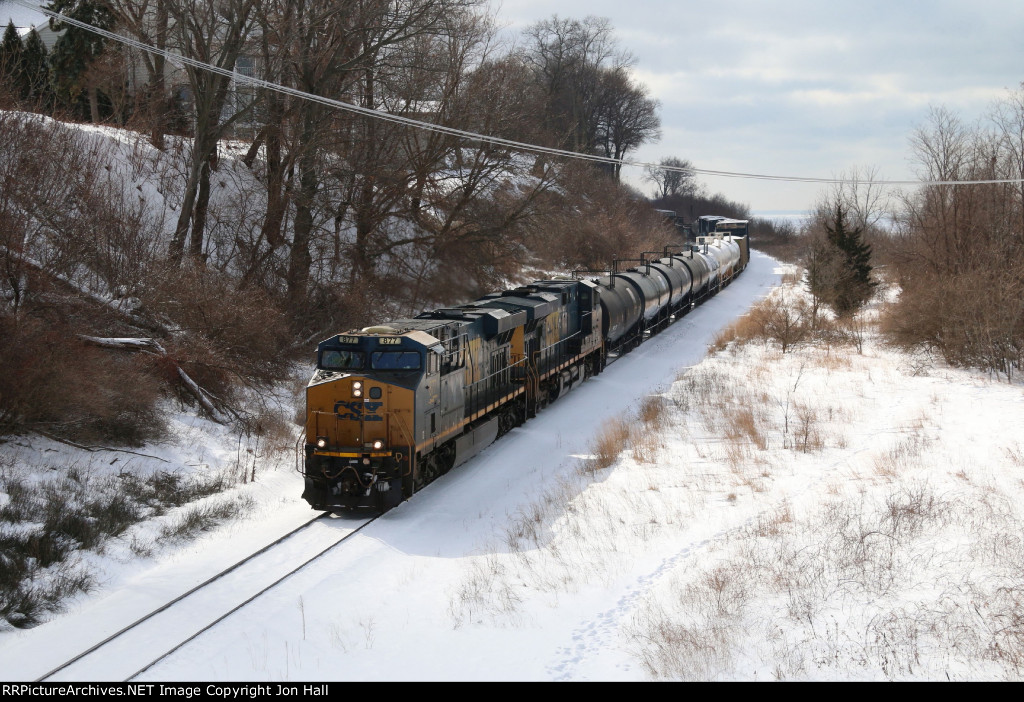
395,360
337,359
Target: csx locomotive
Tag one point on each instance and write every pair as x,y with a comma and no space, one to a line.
392,407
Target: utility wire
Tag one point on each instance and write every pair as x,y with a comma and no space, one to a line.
179,59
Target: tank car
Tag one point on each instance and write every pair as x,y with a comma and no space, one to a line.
679,281
726,252
621,313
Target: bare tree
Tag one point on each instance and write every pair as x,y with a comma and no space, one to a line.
149,22
866,202
672,176
958,256
352,50
567,58
216,34
627,118
1008,117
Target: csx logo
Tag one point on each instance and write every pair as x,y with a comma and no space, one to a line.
357,410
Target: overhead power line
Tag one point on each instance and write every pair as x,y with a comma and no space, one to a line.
179,59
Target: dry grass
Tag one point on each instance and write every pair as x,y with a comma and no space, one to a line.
774,522
647,443
747,423
788,320
612,439
196,519
832,360
900,457
742,331
652,411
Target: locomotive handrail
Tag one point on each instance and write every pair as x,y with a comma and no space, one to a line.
315,414
563,358
531,379
489,392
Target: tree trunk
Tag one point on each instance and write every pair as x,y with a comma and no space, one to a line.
176,249
275,176
301,259
195,244
94,104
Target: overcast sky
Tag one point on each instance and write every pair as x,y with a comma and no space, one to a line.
803,87
799,87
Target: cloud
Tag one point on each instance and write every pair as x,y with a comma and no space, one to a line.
808,88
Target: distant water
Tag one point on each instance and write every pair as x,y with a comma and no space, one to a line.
795,217
798,218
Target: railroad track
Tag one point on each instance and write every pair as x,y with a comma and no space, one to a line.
139,646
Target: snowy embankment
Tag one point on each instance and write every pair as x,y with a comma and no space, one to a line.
822,513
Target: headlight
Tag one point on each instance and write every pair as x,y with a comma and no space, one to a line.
378,445
321,442
357,389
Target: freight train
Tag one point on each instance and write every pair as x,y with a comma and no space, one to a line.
392,407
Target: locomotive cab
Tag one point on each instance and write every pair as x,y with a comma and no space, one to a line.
360,421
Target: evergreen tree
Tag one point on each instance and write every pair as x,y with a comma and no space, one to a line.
11,61
839,267
77,48
37,70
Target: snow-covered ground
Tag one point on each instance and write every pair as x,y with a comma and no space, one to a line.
815,514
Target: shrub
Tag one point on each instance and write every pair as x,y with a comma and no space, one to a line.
226,334
973,318
54,382
43,524
773,319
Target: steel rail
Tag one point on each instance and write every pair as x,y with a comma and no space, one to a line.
181,597
227,614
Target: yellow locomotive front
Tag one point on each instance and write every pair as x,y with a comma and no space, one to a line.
360,422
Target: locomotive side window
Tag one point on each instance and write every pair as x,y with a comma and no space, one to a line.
337,359
395,360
